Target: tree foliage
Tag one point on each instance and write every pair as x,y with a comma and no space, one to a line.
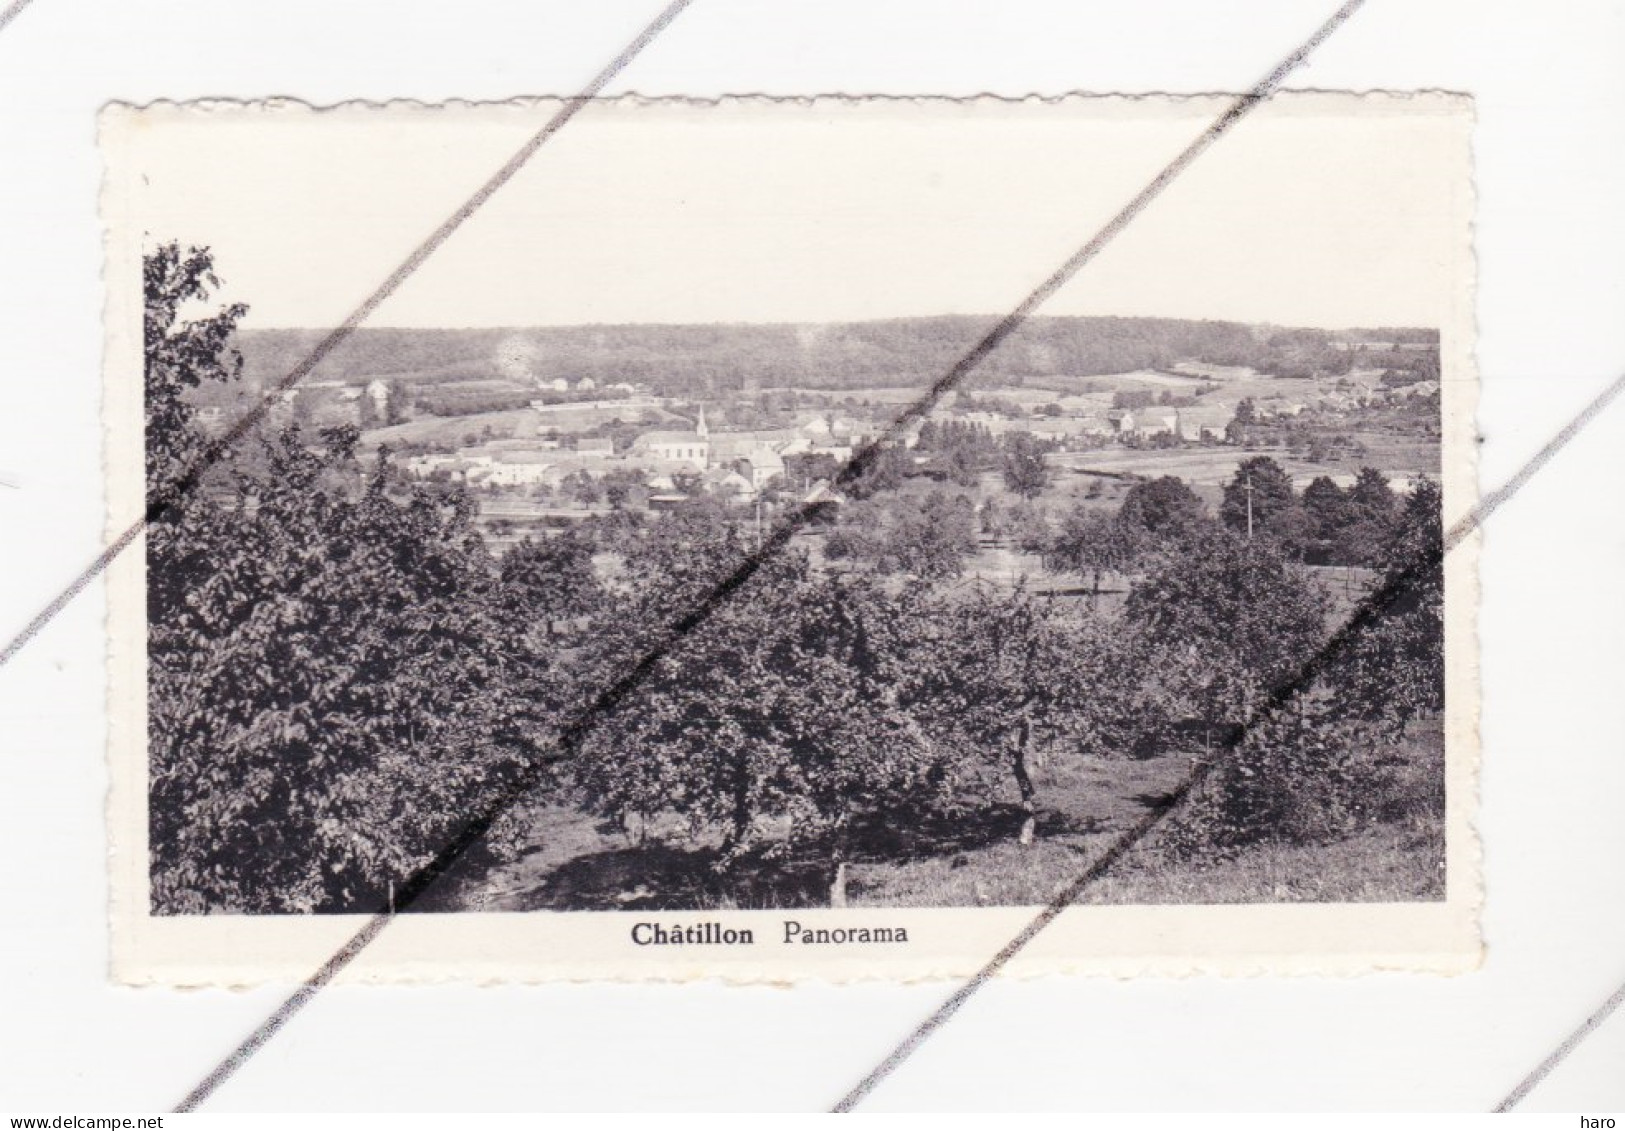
1230,622
1026,471
999,674
333,681
784,706
1164,508
1260,494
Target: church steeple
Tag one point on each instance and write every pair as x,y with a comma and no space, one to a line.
700,429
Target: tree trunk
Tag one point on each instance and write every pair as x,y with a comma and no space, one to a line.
741,812
837,861
1019,751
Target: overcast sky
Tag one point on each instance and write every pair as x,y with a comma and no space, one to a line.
1315,211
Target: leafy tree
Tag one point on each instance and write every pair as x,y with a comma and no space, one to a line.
1297,776
1393,668
181,357
1030,528
1260,488
1094,543
624,486
1163,508
868,474
995,672
1372,499
930,539
398,405
583,488
1023,462
333,682
1231,622
1326,507
806,468
780,709
553,578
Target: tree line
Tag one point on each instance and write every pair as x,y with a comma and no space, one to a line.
705,360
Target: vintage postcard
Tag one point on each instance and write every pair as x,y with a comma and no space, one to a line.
644,586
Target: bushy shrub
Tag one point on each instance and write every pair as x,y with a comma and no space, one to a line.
1293,778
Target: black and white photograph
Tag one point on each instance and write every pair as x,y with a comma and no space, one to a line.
695,555
761,624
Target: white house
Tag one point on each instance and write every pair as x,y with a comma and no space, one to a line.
760,467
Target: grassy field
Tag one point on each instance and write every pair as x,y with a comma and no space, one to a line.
1214,467
579,862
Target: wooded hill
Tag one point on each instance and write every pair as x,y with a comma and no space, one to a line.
687,360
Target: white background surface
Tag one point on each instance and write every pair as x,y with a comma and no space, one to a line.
1551,243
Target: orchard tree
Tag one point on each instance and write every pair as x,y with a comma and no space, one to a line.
779,707
553,579
996,672
1246,415
1231,622
398,404
873,471
1092,542
333,686
1391,670
1026,471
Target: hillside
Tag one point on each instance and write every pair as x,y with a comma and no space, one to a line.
686,360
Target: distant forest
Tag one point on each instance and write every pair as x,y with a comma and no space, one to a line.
683,360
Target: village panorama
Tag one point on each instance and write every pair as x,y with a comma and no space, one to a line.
1122,550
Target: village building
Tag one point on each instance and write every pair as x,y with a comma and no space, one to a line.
1203,422
722,481
693,448
760,468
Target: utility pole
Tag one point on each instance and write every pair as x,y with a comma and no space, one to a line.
1247,486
